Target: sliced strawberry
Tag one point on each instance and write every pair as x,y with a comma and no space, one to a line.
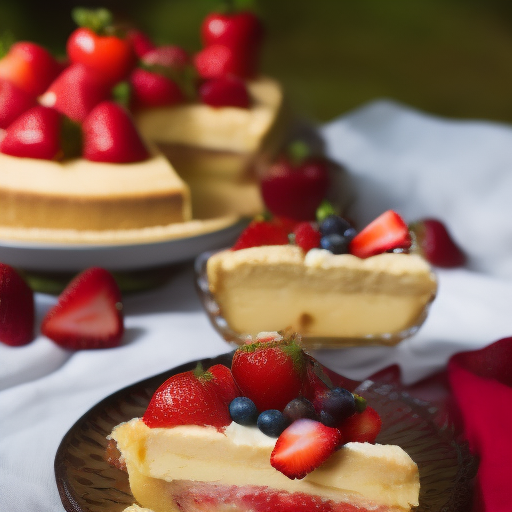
154,90
224,383
219,61
437,245
169,56
34,134
76,91
13,102
361,427
16,308
388,231
141,42
88,313
110,136
307,236
30,67
188,398
304,446
254,362
259,233
224,92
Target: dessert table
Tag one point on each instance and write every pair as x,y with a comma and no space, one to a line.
419,165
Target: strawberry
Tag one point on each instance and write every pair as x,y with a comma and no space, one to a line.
110,136
88,313
187,398
240,31
218,61
224,92
436,244
153,89
388,231
75,92
112,57
168,56
295,185
254,362
30,67
223,382
303,446
141,42
35,134
315,381
307,236
16,308
259,233
13,102
361,427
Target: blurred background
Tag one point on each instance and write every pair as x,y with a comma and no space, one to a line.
446,57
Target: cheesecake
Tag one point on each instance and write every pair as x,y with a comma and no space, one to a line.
167,467
330,298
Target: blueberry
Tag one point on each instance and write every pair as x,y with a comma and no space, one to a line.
299,408
337,244
350,233
272,422
243,411
334,225
338,404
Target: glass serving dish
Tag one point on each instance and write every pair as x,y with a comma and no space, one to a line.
214,312
87,483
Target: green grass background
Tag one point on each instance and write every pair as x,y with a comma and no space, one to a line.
447,57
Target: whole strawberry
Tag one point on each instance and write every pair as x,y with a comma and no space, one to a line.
270,373
188,398
295,185
437,245
13,102
16,308
151,89
223,383
259,233
88,314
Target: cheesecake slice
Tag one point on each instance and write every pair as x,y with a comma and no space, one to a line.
319,294
196,468
82,195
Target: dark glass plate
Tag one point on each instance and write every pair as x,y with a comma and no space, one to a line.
87,483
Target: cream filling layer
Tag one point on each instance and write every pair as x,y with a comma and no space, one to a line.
240,456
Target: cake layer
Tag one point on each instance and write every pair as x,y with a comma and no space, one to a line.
273,288
78,194
358,473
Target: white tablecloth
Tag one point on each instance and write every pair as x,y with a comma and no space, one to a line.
421,166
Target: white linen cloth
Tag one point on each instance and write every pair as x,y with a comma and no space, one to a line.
458,171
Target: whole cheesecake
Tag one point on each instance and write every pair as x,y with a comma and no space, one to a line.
169,468
320,294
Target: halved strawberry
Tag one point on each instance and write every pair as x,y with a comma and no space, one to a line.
88,314
224,383
16,308
303,446
188,398
388,231
13,102
259,233
361,427
283,360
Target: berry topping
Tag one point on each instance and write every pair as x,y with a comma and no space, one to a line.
259,233
35,134
272,422
153,89
254,362
187,398
13,102
95,46
306,236
243,411
334,406
295,185
110,136
303,446
88,314
437,245
16,308
224,383
224,92
299,408
29,67
385,233
361,427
